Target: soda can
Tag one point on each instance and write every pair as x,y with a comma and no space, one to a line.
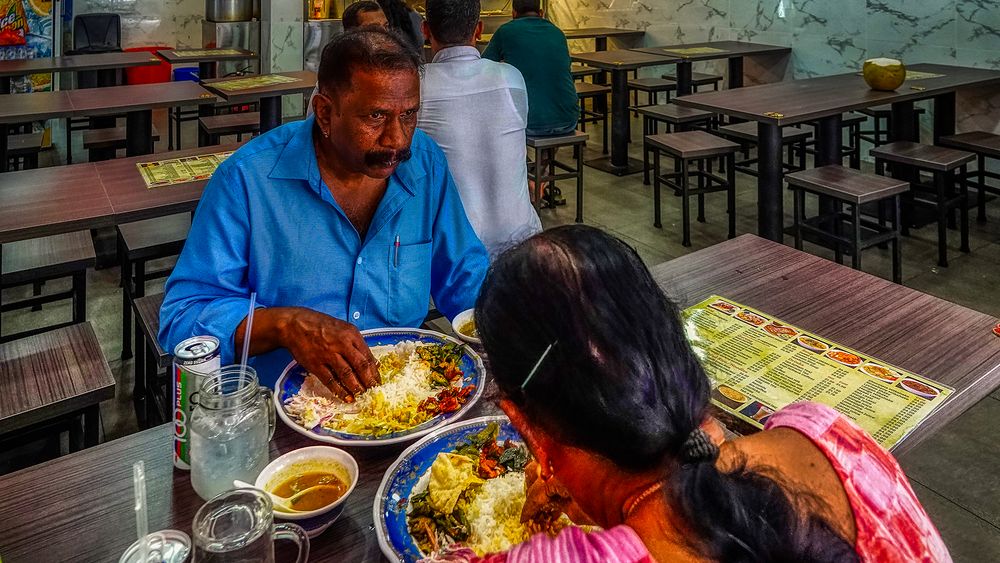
194,359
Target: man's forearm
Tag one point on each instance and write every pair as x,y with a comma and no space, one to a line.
270,325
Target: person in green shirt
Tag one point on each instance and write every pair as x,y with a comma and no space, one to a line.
537,48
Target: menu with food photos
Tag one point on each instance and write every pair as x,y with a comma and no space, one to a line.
246,83
759,364
206,52
693,51
180,170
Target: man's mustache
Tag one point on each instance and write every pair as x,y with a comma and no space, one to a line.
387,158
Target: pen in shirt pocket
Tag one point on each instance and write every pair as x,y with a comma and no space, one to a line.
395,257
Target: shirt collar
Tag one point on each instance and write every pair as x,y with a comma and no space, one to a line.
461,52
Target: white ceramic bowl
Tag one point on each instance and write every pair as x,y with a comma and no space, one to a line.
459,320
311,458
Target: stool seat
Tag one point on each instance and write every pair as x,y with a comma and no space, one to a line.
929,157
231,123
23,144
697,78
747,131
157,237
147,312
847,184
652,84
852,118
692,144
586,89
885,111
109,138
580,71
674,114
47,257
550,141
974,141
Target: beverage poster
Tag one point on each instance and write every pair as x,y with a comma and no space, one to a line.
26,28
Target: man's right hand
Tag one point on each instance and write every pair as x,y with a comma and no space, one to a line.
331,349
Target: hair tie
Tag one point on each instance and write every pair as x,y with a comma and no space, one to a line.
699,447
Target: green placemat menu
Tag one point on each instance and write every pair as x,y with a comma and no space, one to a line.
180,170
916,75
759,364
691,51
206,52
253,82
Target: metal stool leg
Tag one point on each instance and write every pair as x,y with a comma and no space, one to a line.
578,153
856,236
731,193
126,281
981,192
941,183
685,212
80,296
799,210
963,209
838,251
656,188
897,261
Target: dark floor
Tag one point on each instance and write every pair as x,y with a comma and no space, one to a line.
954,473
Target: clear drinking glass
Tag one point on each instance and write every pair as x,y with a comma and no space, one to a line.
231,424
238,526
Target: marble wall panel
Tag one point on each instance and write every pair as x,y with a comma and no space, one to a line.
174,23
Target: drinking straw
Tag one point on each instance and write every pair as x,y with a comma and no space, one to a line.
246,336
141,517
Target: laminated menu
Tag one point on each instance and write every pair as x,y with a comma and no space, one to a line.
180,170
691,51
206,52
249,82
759,364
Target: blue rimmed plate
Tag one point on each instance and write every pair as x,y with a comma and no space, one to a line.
402,476
471,364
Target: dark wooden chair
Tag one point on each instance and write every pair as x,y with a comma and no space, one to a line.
881,116
36,261
594,92
152,374
698,79
792,138
23,151
239,124
545,168
947,167
139,243
854,188
652,87
701,148
984,145
100,141
674,118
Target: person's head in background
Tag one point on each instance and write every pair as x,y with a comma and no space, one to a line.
524,8
398,15
452,23
362,13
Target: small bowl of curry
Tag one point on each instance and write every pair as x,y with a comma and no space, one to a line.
464,325
318,479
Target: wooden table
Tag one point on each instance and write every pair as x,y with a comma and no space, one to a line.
206,58
30,396
734,51
619,63
82,504
72,63
825,99
600,35
269,96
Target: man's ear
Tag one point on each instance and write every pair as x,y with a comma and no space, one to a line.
479,31
426,28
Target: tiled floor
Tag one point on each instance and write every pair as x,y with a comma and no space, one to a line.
954,472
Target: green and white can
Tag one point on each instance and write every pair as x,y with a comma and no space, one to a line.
194,359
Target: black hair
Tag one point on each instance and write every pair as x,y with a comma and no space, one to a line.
527,6
620,380
364,47
399,19
453,22
352,12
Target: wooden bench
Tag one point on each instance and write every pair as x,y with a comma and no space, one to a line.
239,124
107,139
151,390
23,151
35,261
854,188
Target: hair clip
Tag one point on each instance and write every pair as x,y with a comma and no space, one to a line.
538,364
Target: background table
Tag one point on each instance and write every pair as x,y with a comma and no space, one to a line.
600,35
82,504
269,96
72,63
825,99
206,58
734,51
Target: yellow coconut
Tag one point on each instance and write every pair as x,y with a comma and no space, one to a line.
884,74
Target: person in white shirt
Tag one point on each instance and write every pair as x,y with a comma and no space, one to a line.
477,111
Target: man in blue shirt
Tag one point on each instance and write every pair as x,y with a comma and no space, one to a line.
349,219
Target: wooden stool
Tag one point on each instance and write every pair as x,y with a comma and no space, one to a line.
239,124
699,147
36,261
178,115
138,243
878,135
675,118
586,91
984,145
579,71
548,173
652,87
852,187
23,151
57,375
107,139
153,405
851,123
792,138
943,164
698,79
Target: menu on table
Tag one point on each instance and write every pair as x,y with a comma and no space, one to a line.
206,52
249,82
758,364
180,170
917,75
689,51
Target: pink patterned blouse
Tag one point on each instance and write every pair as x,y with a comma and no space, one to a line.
892,527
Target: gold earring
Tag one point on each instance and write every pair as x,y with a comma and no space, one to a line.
326,134
547,472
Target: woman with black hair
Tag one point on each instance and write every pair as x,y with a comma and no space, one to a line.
405,20
597,376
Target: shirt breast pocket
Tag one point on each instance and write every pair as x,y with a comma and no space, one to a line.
409,284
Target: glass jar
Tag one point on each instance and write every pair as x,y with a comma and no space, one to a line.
231,425
238,526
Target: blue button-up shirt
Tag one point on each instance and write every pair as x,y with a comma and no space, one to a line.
267,223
